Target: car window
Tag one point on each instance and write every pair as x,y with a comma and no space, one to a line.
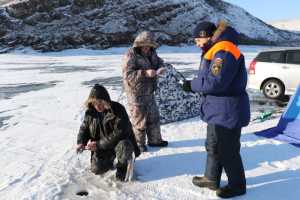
293,57
262,57
271,56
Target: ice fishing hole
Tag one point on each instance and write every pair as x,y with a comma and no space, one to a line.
82,193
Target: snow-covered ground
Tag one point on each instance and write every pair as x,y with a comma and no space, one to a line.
41,97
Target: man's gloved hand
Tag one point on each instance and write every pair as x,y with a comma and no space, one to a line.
186,86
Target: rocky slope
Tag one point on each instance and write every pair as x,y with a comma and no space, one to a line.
61,24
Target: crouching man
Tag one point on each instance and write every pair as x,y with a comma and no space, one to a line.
107,132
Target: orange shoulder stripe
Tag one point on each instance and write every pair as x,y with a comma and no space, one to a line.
223,46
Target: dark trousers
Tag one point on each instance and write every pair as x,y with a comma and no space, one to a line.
102,161
223,151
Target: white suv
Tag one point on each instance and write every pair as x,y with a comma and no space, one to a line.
275,72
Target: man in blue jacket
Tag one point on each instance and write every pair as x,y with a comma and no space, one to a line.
221,82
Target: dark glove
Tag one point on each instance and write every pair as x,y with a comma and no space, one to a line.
186,86
102,144
107,143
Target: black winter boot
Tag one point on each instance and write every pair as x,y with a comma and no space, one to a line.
121,173
228,192
162,143
205,182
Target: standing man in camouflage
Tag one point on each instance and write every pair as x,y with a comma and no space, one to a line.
140,70
221,82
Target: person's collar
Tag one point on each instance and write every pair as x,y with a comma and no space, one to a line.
207,46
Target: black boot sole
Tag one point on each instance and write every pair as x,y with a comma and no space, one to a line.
205,185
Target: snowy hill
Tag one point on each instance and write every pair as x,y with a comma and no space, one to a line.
3,2
61,24
291,25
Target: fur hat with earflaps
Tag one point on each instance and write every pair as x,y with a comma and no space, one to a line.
145,39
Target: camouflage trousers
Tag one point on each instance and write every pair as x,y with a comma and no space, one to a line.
102,161
145,121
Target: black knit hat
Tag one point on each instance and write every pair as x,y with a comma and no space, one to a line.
100,93
204,29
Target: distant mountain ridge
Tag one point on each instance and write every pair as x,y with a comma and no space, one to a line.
62,24
291,25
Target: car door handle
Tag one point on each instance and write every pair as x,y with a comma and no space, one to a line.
285,67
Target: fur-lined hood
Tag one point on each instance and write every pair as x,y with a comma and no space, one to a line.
145,38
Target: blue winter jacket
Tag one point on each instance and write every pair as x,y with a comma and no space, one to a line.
222,81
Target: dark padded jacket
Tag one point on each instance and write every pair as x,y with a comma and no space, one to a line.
222,81
107,128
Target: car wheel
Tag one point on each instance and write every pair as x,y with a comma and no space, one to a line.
273,89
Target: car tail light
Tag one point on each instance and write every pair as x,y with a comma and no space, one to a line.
251,69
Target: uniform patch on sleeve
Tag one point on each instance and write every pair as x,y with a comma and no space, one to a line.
217,66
